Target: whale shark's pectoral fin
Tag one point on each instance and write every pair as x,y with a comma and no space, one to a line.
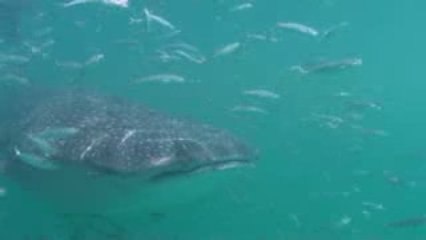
35,161
52,134
45,140
43,145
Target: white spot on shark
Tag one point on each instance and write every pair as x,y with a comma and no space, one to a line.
127,136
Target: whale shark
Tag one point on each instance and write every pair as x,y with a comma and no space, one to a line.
110,135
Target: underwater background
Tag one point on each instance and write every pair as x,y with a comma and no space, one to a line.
330,92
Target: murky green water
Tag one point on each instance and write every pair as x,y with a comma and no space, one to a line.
341,150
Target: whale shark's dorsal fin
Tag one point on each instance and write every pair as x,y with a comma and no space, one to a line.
35,161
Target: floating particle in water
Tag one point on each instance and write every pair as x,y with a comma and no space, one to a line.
356,189
366,213
3,191
227,49
164,78
299,28
343,94
262,93
344,221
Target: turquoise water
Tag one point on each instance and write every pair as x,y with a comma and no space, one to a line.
341,151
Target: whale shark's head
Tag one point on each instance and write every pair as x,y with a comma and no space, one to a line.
187,156
175,149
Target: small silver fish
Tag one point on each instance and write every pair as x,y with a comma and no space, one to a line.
299,27
228,49
373,206
242,6
160,20
95,59
247,108
324,66
263,93
3,192
190,57
165,78
119,3
178,51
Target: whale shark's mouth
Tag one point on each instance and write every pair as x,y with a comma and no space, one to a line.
215,165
